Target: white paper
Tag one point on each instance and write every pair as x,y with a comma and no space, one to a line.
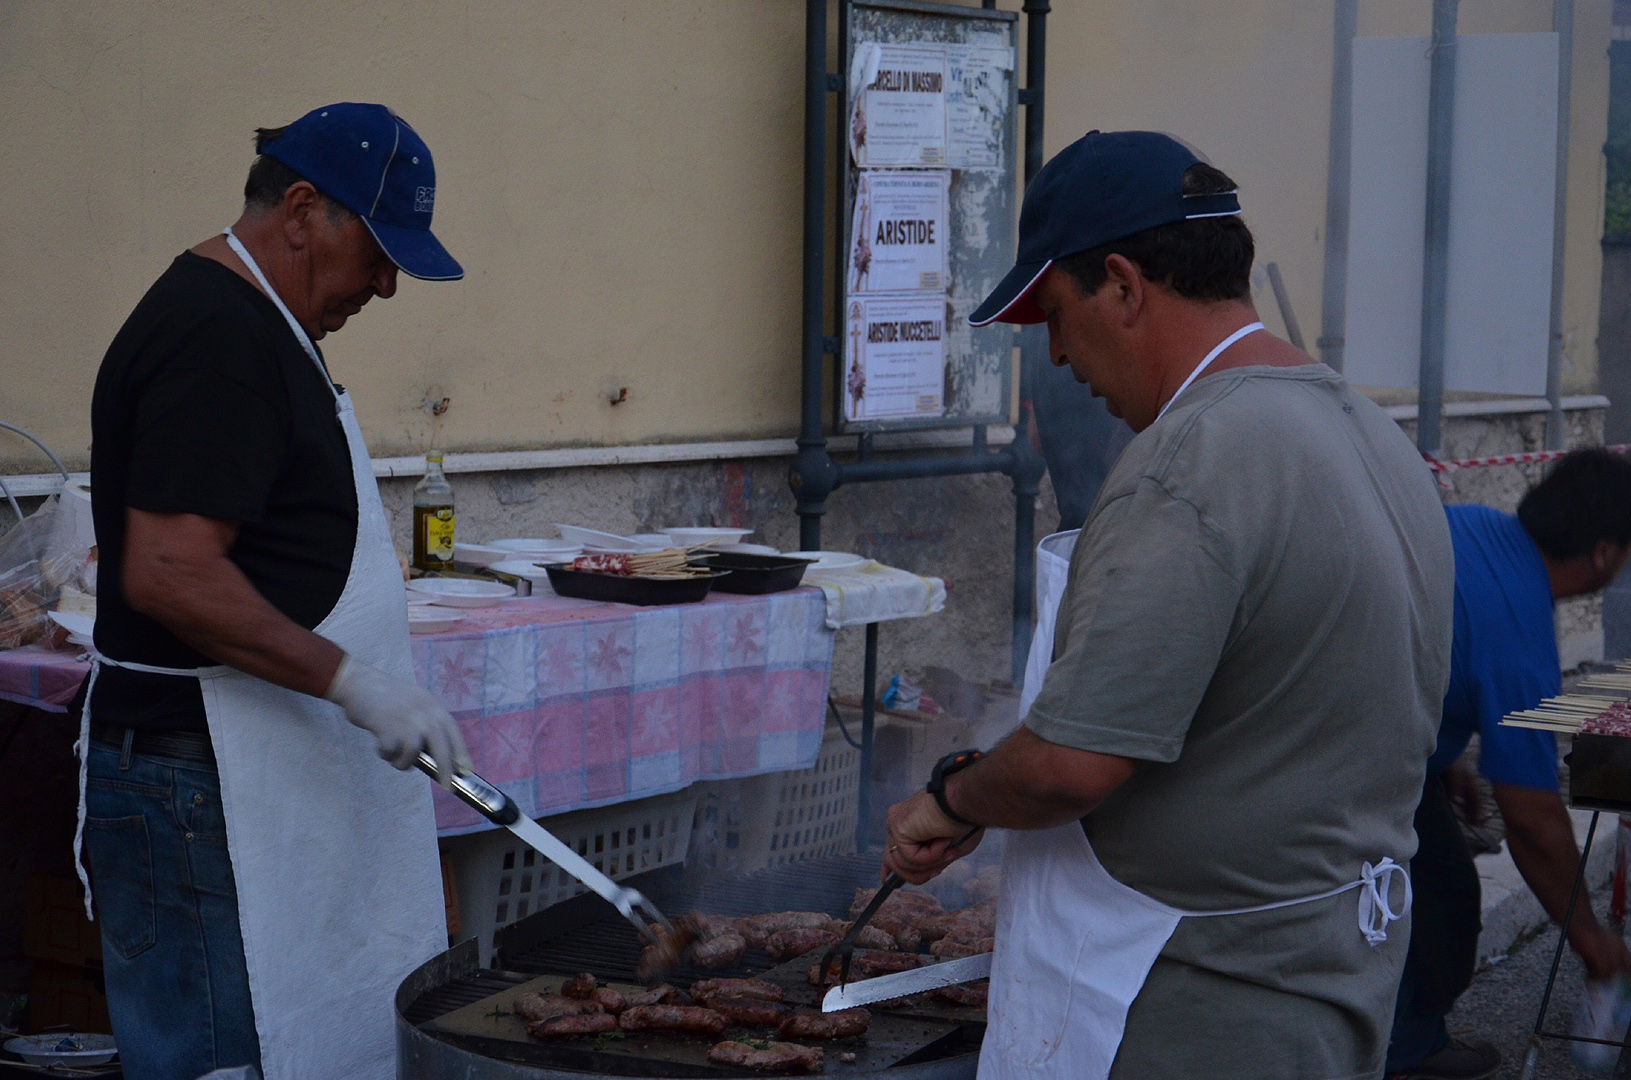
976,104
899,115
895,357
898,233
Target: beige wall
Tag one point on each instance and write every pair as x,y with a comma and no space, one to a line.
621,179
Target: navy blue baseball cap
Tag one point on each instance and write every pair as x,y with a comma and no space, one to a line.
1100,188
367,159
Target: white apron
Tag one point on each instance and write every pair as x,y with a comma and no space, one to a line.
1074,946
1052,572
333,851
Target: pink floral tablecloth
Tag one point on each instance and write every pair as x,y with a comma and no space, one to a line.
569,703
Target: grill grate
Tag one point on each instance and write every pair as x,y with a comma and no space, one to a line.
460,992
564,941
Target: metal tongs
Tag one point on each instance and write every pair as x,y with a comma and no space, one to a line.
500,809
844,951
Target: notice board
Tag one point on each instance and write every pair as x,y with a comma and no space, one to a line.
926,215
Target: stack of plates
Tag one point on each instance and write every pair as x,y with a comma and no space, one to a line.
595,540
702,535
431,601
828,560
81,1050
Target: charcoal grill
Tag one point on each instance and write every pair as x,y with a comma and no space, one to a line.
936,1042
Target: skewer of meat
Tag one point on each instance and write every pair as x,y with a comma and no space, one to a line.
833,1025
688,1018
775,1057
786,944
703,989
560,1027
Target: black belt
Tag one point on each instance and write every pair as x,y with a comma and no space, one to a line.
169,742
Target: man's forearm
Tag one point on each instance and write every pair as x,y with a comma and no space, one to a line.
207,602
1540,836
1029,783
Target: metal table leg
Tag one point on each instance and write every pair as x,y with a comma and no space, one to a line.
1532,1058
869,708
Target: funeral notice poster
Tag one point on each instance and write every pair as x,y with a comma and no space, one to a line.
898,115
977,91
898,233
895,357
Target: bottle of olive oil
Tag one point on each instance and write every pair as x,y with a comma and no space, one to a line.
433,517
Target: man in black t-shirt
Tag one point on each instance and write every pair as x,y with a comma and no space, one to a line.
233,530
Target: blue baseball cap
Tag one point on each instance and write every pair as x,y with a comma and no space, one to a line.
1100,188
367,159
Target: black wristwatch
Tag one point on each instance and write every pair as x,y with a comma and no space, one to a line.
960,759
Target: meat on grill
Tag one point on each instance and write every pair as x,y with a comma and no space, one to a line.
907,903
775,1057
609,999
867,965
786,944
753,1012
661,994
957,927
534,1006
756,929
833,1025
718,952
703,989
973,993
689,1018
871,937
579,986
909,938
560,1027
951,949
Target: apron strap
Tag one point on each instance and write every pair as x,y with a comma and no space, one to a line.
1374,912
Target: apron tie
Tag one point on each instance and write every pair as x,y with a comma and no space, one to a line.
1374,913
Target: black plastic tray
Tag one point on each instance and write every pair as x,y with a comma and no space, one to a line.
623,589
757,574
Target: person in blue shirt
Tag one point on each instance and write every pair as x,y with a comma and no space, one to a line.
1570,537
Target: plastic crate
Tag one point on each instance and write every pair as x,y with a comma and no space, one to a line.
759,821
498,880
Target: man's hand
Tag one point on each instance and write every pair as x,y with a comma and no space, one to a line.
1603,952
1462,787
402,715
921,839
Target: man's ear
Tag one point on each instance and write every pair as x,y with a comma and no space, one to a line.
1607,555
1123,275
300,201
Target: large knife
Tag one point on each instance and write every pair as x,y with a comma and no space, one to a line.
500,809
902,983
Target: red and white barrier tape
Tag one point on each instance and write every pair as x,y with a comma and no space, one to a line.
1445,468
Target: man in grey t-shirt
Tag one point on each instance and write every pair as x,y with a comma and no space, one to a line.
1250,657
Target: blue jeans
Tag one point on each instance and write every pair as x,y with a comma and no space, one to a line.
172,954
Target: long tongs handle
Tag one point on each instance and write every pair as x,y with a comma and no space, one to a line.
476,793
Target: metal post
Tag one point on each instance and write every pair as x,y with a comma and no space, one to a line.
813,475
1338,181
1436,260
1563,24
1028,465
869,709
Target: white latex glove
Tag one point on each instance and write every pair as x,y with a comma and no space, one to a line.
402,715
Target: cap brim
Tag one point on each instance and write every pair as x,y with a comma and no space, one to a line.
1010,301
416,252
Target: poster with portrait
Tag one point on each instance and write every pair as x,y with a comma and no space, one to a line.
898,106
894,357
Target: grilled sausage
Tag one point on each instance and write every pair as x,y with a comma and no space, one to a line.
661,994
673,1018
718,952
579,986
754,1012
958,927
560,1027
548,1006
834,1025
703,989
951,949
906,902
973,993
867,965
609,999
786,944
756,929
871,936
775,1057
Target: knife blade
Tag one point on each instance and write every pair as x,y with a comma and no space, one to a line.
902,983
500,809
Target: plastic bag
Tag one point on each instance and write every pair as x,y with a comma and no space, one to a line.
35,563
1605,1013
